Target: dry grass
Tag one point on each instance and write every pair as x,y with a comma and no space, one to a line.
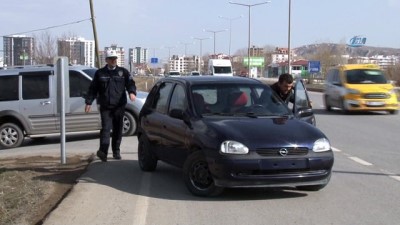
31,187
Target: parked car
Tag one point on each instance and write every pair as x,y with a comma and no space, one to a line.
228,132
195,73
359,87
28,104
174,73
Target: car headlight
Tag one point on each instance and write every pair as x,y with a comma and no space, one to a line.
353,91
321,145
233,147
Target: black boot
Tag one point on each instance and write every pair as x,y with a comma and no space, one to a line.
102,156
116,155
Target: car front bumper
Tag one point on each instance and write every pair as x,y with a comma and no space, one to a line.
235,171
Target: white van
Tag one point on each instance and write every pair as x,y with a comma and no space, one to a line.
220,67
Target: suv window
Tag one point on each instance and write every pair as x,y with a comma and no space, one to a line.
9,88
78,84
35,86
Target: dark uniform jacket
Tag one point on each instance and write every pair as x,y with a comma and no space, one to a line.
289,97
110,86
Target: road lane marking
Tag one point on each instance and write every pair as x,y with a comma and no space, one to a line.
142,202
395,177
336,149
362,162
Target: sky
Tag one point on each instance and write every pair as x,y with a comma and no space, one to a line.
167,27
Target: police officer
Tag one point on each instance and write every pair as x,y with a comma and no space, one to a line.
109,86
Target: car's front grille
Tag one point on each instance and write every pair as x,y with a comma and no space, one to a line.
375,96
276,151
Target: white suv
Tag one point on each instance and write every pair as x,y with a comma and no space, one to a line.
28,104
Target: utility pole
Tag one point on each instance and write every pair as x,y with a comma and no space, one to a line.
96,43
230,30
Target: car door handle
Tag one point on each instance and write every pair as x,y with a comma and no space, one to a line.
45,102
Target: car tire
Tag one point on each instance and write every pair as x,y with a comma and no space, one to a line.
147,159
327,106
198,178
129,124
11,135
394,112
344,108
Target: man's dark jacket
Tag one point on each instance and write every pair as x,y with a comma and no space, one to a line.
109,87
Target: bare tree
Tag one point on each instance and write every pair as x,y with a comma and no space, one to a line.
45,48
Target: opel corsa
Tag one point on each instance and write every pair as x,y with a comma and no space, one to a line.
228,132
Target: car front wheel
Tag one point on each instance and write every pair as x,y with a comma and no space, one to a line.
147,159
11,135
198,178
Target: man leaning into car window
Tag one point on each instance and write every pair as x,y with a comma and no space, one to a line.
284,88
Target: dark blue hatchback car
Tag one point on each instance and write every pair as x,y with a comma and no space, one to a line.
233,132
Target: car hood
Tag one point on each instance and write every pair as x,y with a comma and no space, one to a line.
265,132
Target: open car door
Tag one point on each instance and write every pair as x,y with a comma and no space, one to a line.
302,108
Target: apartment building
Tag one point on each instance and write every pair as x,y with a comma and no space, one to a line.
78,50
18,50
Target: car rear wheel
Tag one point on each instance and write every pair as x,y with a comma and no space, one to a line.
197,176
129,124
327,106
11,135
147,159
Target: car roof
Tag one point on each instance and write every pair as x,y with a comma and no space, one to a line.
33,68
192,80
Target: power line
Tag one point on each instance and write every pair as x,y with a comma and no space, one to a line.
47,28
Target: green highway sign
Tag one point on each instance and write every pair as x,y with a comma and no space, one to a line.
254,61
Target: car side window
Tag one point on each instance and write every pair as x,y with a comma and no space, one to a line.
78,84
35,86
9,88
178,99
161,99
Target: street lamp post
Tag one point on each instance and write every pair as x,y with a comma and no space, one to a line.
214,32
186,44
289,56
248,44
230,29
169,54
201,48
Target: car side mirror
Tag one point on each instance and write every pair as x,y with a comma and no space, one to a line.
305,112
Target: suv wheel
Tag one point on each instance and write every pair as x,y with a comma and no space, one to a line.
147,159
197,176
11,135
129,124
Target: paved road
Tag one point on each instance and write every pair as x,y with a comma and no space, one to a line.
364,188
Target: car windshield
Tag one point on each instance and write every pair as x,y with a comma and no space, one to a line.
363,76
251,100
222,69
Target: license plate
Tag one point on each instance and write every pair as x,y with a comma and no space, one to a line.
284,164
375,103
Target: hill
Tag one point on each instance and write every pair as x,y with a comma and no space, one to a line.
364,51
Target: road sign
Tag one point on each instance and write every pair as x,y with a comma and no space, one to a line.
154,60
254,61
314,66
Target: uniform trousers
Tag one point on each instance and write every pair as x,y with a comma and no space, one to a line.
111,118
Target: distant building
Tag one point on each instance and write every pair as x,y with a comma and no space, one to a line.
183,64
78,50
381,60
18,50
137,56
